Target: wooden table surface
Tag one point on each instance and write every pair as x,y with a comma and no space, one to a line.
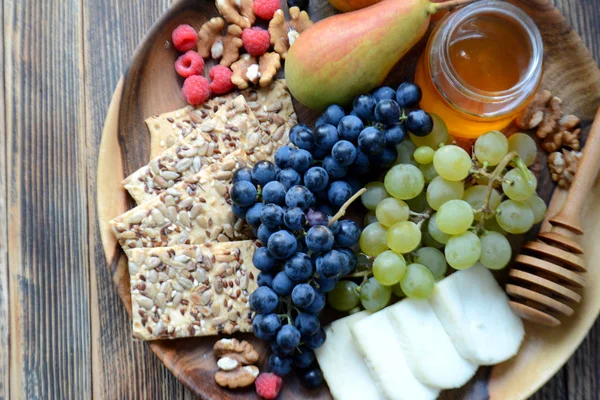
63,331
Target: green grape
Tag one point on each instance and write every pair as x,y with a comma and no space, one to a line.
405,150
435,231
374,296
476,196
424,155
463,251
538,206
403,237
389,268
390,211
438,136
372,240
515,216
428,240
418,282
428,171
452,163
369,218
344,296
495,250
493,225
491,147
520,187
433,259
525,146
454,217
397,290
440,191
419,203
404,181
374,194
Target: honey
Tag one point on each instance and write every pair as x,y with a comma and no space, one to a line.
481,66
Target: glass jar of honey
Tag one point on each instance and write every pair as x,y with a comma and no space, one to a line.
482,65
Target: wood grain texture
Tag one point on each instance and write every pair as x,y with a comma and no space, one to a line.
112,31
60,350
584,17
47,204
4,338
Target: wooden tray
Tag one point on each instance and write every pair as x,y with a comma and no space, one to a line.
150,86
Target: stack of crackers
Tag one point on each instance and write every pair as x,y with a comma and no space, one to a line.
190,257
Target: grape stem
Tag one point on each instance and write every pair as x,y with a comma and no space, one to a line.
342,211
364,274
495,175
420,218
288,308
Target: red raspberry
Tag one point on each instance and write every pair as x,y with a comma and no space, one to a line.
189,64
195,90
184,38
266,8
256,41
268,385
220,77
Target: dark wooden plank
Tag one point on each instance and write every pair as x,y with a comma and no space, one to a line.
122,368
4,344
583,369
584,17
47,225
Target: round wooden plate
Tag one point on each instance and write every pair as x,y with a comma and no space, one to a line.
150,86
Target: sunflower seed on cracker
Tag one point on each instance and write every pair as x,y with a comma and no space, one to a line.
191,212
162,312
273,104
210,141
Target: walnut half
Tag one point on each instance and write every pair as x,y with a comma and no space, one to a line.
238,12
212,44
283,33
233,361
544,114
248,70
243,352
563,166
237,378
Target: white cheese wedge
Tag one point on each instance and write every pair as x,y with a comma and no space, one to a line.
429,352
343,366
474,311
376,339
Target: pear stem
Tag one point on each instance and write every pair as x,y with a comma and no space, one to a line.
451,4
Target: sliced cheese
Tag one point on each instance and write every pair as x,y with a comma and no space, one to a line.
343,367
474,311
429,352
376,339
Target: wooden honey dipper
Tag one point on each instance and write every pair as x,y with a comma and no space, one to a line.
544,281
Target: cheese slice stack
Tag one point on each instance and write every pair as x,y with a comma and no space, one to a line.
414,348
343,366
377,340
428,350
474,311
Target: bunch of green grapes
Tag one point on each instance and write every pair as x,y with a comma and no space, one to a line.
436,207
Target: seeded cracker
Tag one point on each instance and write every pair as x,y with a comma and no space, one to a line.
222,134
271,105
184,291
191,212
